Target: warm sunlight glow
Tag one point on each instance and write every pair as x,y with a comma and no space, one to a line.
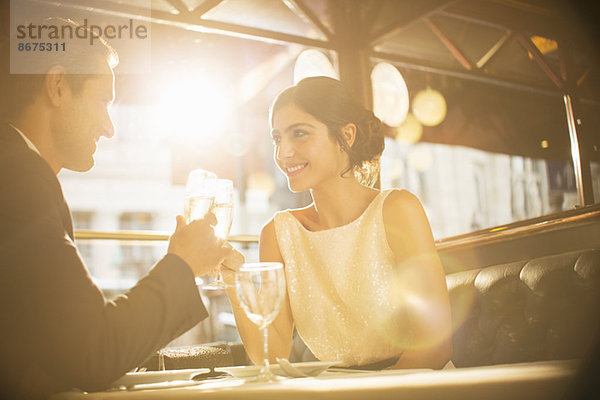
408,288
258,78
192,107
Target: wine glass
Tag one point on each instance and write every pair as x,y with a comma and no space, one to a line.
260,290
199,198
222,190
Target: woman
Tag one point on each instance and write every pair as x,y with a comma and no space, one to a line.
364,282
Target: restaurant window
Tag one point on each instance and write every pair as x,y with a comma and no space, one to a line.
484,156
595,167
470,189
136,258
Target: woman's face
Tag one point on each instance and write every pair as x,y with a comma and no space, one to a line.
304,152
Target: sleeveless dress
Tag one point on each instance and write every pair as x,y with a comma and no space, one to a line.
338,282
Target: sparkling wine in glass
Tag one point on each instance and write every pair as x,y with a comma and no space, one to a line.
199,199
260,291
222,190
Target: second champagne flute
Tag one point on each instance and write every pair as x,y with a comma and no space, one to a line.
222,190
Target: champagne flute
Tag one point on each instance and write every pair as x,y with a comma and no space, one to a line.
260,290
199,198
222,190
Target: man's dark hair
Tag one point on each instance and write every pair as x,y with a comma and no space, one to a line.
81,61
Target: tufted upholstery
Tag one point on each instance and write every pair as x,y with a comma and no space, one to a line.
541,309
208,355
546,308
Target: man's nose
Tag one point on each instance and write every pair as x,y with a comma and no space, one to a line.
108,130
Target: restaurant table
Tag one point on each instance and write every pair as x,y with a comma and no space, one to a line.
539,380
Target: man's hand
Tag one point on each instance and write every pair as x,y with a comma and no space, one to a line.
197,244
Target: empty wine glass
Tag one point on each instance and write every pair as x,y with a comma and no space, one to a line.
222,191
260,290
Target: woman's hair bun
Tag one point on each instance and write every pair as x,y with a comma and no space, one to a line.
369,144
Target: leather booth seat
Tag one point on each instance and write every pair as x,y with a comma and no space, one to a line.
544,308
540,309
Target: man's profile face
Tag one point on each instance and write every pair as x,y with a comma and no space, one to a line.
82,120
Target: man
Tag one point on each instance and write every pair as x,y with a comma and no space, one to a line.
58,331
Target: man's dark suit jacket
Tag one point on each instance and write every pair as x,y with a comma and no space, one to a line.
57,329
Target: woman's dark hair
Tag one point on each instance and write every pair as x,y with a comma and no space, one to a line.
331,103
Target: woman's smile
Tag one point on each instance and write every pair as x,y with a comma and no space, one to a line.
294,169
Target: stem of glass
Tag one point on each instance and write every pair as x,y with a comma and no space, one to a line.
220,276
161,361
265,371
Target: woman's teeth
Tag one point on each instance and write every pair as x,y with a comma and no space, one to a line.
295,168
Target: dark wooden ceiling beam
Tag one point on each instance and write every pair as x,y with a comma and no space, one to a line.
504,18
540,60
304,12
422,9
583,76
452,48
494,50
372,13
525,6
179,5
353,60
205,7
190,22
473,75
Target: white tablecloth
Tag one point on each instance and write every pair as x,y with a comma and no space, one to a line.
541,380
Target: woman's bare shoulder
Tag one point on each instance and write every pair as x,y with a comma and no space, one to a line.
403,209
406,224
401,201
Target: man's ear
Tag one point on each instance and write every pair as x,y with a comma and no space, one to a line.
55,85
349,134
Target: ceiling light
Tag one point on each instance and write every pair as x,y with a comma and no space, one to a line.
410,131
390,94
429,106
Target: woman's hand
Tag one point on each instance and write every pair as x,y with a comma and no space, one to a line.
230,265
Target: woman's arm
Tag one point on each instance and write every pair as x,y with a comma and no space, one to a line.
419,282
282,328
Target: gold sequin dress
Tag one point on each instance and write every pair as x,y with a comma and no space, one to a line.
338,281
